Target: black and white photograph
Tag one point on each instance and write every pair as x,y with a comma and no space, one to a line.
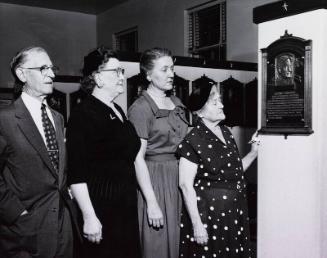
163,129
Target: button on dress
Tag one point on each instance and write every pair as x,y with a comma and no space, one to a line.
221,196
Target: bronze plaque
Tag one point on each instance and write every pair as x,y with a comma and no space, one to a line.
286,86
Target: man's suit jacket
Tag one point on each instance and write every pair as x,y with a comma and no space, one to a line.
28,181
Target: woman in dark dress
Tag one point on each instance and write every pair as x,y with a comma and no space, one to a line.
102,145
214,221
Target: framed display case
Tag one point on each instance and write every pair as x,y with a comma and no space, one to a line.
286,86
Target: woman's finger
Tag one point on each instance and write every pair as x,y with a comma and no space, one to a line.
98,239
91,238
156,223
201,240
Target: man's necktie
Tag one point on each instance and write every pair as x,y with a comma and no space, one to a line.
50,136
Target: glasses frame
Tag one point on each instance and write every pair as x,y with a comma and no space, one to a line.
119,71
44,69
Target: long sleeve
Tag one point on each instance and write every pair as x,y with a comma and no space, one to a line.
77,165
10,205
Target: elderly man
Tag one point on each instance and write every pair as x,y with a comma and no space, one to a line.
34,218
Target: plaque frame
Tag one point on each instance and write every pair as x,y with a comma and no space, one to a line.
286,88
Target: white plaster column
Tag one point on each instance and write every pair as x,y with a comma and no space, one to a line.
292,172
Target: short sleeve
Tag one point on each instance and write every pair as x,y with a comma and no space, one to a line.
186,151
140,116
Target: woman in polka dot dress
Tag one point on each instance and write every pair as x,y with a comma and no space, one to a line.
214,220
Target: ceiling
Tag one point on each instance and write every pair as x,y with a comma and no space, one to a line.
82,6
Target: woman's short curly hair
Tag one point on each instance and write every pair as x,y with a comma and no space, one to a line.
94,61
149,56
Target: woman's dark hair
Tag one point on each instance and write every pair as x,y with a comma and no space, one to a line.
94,61
149,56
18,60
200,94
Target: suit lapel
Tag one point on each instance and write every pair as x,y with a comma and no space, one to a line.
29,129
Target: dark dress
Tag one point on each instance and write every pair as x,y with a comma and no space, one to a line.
101,152
221,196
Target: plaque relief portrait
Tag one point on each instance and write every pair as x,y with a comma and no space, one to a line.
284,69
287,71
286,86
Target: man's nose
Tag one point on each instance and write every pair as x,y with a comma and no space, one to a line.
51,73
121,76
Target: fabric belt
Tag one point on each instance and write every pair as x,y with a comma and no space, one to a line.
161,157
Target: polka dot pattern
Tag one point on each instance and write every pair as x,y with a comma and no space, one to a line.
221,198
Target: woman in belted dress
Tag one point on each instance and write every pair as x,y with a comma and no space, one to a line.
160,122
214,219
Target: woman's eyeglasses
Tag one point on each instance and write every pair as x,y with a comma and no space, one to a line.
44,69
119,71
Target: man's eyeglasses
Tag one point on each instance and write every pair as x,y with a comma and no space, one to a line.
119,71
44,69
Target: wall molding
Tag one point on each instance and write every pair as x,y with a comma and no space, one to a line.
197,62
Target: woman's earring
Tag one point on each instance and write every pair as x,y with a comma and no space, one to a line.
200,115
100,84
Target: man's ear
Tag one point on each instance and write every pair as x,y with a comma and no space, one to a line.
20,74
